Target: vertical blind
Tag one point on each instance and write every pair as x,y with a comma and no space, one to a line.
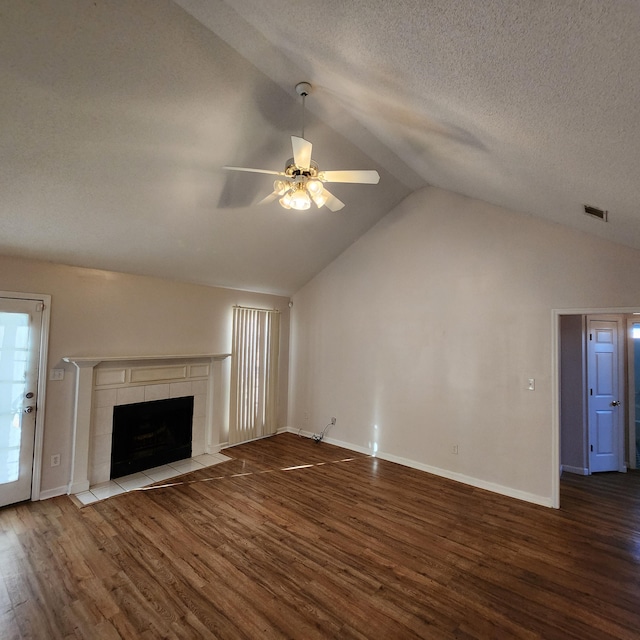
254,374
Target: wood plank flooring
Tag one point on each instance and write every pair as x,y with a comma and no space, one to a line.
348,547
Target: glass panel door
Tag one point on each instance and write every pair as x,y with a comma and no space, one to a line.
14,343
20,326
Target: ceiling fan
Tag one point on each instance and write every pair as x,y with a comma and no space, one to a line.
302,181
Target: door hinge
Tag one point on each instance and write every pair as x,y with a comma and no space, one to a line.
591,447
40,306
591,336
590,392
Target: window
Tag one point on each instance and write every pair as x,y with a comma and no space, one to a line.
254,373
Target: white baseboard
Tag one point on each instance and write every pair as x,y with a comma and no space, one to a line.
578,470
437,471
474,482
226,445
54,493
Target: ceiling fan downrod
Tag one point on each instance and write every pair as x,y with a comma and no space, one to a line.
303,89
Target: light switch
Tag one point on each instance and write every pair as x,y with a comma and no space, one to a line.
532,384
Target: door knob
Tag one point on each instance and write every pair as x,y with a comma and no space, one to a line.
28,409
616,403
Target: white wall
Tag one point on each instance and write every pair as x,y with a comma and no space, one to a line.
424,332
103,313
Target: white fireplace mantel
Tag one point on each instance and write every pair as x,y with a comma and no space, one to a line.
163,366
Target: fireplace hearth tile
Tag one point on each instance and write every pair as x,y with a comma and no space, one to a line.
207,459
107,490
133,481
185,466
86,497
148,477
163,472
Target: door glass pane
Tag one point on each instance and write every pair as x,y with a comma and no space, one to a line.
14,344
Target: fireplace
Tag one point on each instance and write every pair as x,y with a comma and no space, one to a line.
104,382
150,434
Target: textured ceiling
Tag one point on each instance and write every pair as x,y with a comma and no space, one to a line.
118,116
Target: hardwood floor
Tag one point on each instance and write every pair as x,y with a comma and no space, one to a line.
349,547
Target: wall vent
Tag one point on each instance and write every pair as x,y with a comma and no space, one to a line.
596,213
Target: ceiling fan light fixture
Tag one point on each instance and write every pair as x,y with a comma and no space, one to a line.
320,198
314,187
285,201
299,198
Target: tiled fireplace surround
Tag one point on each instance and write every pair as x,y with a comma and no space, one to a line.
102,383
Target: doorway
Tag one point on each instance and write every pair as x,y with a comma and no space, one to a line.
23,341
570,438
633,390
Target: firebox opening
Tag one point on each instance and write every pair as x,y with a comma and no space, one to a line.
150,434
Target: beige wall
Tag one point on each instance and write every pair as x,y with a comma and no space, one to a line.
108,314
423,334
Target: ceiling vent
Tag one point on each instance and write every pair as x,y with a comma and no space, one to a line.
594,212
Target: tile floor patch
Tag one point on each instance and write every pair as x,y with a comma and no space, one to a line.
149,476
185,466
158,474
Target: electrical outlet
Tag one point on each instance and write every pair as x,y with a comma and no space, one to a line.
55,460
333,420
454,449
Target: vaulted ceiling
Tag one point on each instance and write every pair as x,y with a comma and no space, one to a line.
117,118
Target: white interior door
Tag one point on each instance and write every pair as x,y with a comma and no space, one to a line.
604,378
20,336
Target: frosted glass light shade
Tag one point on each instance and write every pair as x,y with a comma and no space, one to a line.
285,201
314,187
320,199
300,200
280,187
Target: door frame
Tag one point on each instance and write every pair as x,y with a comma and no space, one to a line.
555,383
45,299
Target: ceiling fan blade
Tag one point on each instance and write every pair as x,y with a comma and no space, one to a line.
273,173
280,187
270,198
359,177
332,202
301,152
